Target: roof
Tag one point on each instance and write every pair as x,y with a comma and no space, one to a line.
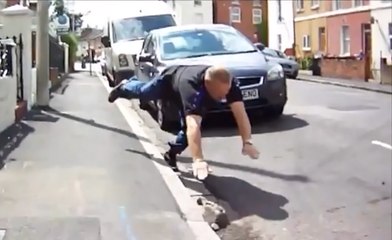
190,27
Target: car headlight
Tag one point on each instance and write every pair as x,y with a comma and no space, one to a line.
275,73
122,60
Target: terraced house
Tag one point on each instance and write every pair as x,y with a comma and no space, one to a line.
337,27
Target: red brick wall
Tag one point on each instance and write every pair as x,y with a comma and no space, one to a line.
346,68
12,2
353,21
246,26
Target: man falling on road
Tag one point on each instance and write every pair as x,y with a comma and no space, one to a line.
193,89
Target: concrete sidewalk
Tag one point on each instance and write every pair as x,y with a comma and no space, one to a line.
72,172
369,86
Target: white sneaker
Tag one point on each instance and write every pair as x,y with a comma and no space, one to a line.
200,170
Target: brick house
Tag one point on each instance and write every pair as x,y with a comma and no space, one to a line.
244,15
334,27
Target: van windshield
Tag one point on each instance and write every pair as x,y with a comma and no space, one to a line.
137,28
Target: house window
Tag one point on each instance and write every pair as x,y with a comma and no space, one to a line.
306,42
299,4
256,3
357,3
345,41
315,3
337,4
280,11
256,16
235,14
390,35
279,42
196,2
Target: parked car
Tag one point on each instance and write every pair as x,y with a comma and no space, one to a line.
290,66
263,83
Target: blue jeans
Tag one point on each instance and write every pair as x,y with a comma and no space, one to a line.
152,90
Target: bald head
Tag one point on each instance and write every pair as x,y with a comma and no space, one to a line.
218,74
218,82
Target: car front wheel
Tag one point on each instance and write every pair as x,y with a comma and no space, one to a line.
275,111
162,116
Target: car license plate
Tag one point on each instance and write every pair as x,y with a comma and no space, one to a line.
250,94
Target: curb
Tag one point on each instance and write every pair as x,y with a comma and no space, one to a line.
342,85
190,211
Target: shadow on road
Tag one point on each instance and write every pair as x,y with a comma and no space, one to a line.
10,139
244,198
226,127
259,171
91,123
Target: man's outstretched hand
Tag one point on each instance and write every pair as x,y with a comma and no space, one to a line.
251,151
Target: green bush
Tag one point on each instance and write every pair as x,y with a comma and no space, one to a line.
72,42
305,63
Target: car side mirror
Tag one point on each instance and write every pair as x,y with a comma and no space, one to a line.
105,41
146,57
259,46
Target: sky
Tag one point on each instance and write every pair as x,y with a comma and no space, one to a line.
95,11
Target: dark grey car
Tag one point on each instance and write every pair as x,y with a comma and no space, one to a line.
290,66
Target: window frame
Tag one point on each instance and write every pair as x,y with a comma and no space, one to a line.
260,15
345,39
235,17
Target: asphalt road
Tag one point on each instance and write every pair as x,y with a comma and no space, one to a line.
319,177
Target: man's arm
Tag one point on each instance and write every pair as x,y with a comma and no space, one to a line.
193,133
192,100
242,120
234,99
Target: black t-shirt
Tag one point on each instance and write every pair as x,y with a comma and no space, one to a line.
188,91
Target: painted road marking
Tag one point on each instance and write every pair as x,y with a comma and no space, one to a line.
2,234
189,208
126,224
382,144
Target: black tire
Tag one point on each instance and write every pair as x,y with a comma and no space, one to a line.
164,122
275,111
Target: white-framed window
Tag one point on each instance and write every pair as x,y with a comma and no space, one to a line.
345,40
197,2
357,3
279,42
337,4
256,15
315,4
299,5
390,35
256,3
235,14
306,42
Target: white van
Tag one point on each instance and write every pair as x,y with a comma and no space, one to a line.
125,31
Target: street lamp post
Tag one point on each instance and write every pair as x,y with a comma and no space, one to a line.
43,53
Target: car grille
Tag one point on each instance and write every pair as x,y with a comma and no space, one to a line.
246,81
286,66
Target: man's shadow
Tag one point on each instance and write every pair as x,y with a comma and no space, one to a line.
242,197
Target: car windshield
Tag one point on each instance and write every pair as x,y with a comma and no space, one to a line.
196,43
129,29
280,54
270,52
